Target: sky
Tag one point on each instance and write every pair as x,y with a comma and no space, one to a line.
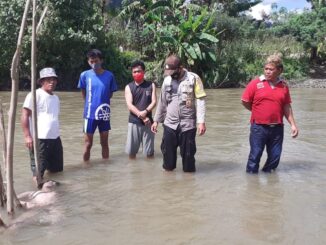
290,5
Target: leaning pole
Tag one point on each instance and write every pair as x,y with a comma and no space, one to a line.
12,112
3,139
34,108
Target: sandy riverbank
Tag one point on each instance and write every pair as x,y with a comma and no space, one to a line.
308,83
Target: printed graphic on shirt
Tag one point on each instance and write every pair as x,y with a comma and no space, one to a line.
103,112
260,85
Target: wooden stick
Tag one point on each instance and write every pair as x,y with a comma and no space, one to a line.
12,111
34,107
4,150
41,19
2,223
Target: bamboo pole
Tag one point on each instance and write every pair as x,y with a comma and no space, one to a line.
4,150
3,136
12,112
34,107
3,196
41,19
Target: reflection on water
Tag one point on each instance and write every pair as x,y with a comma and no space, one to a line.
120,201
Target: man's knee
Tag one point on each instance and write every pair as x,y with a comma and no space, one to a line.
88,146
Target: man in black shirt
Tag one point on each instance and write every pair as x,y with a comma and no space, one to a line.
141,99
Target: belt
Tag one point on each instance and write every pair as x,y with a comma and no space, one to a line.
271,125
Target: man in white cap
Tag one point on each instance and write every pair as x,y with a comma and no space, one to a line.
48,109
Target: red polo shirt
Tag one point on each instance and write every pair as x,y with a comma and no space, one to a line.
267,101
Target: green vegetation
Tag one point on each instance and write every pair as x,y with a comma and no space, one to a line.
215,40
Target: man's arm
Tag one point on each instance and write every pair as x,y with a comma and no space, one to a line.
151,106
200,96
160,110
83,93
247,105
26,114
131,107
201,111
288,113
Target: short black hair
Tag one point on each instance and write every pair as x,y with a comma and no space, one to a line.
138,63
94,53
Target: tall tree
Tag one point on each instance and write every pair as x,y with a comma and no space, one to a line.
309,28
184,29
317,4
10,17
70,29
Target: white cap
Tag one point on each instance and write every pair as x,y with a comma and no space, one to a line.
47,72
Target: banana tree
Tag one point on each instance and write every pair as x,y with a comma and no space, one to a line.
184,29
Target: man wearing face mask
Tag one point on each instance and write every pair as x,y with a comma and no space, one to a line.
140,97
97,86
181,106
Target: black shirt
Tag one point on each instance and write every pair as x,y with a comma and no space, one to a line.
141,98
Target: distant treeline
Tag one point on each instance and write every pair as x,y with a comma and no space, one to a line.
216,40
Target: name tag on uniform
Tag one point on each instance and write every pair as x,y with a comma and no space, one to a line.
260,85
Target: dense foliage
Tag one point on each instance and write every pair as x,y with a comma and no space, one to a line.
214,38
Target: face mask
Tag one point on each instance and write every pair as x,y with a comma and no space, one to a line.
138,77
95,66
175,75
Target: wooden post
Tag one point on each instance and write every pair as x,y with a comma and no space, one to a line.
34,107
3,196
12,112
4,150
3,137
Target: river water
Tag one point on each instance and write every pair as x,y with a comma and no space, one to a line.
120,201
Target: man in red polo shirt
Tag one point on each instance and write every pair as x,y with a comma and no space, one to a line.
268,99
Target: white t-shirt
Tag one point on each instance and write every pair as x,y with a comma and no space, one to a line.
48,109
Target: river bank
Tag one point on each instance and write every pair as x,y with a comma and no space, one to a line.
308,83
316,78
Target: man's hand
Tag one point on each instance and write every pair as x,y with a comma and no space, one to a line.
142,114
294,131
29,142
201,128
147,122
154,127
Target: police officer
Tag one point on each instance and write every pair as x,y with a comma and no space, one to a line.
181,106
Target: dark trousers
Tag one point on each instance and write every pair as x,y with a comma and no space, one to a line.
261,136
186,141
51,156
